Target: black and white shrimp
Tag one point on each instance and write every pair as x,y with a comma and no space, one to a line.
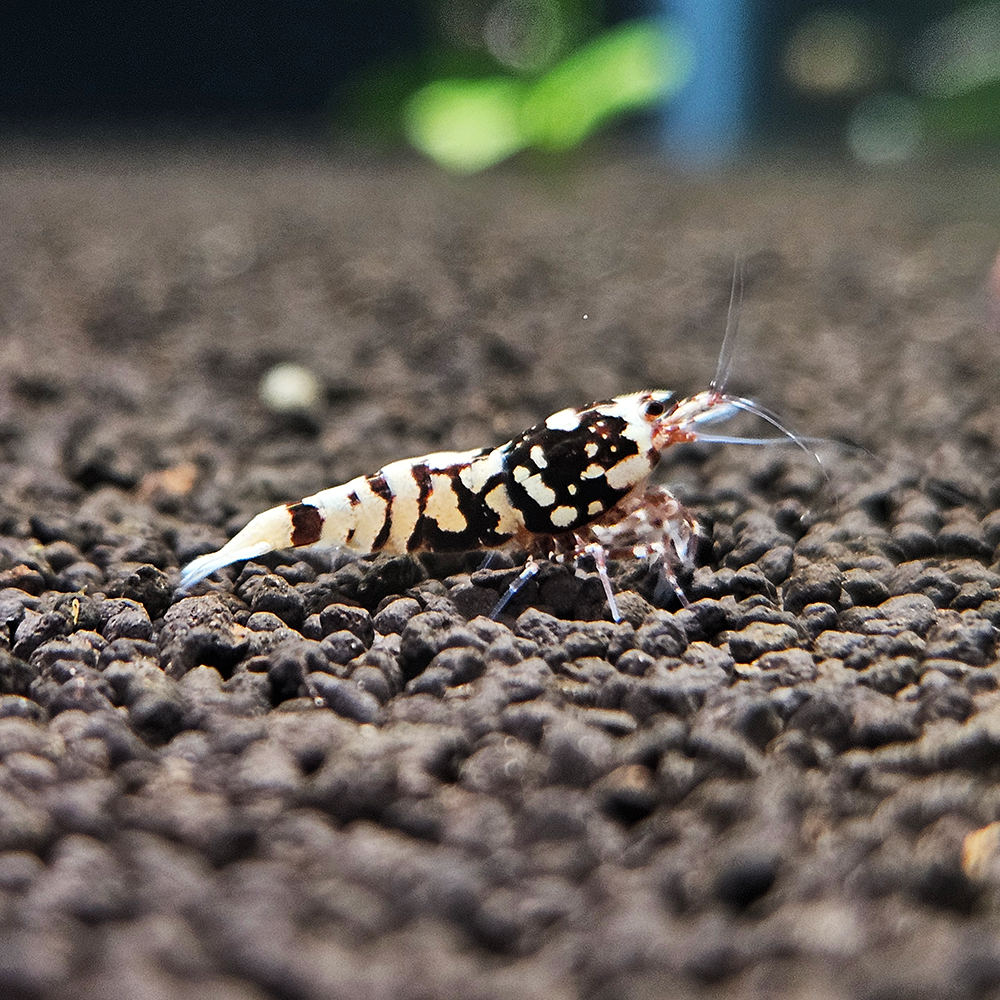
577,484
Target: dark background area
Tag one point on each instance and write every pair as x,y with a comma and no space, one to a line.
78,70
256,64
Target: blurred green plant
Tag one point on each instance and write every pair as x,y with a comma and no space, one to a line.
534,85
972,116
468,125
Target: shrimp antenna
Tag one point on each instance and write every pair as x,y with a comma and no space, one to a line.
758,441
749,406
725,365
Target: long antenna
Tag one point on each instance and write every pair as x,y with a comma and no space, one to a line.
725,365
749,406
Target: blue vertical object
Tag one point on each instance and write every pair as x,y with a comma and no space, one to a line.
705,122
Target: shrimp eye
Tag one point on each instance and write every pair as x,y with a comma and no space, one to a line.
654,408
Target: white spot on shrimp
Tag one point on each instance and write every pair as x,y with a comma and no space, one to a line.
592,472
591,449
442,504
510,520
369,515
479,471
543,495
446,459
405,503
563,517
564,420
571,489
537,454
595,508
628,472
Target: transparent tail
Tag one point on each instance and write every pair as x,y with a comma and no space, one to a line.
267,531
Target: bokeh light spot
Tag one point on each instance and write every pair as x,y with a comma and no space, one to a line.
468,125
630,67
959,52
524,35
289,387
832,52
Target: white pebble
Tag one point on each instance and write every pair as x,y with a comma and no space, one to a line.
288,387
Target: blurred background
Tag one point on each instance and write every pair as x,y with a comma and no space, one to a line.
472,83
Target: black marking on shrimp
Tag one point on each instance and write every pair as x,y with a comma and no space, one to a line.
480,520
422,477
307,523
380,488
552,471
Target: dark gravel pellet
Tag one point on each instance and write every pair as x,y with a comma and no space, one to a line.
394,616
426,635
971,640
347,697
129,624
759,638
452,666
664,635
288,665
158,716
744,879
818,584
15,675
342,646
150,586
343,618
200,630
36,628
272,594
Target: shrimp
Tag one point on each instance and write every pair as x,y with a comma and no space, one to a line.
575,484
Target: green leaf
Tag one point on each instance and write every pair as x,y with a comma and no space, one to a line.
467,125
631,67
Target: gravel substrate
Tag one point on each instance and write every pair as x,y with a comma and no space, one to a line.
316,778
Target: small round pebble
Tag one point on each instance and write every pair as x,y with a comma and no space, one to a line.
289,387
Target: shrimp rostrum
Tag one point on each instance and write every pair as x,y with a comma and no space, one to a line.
577,484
